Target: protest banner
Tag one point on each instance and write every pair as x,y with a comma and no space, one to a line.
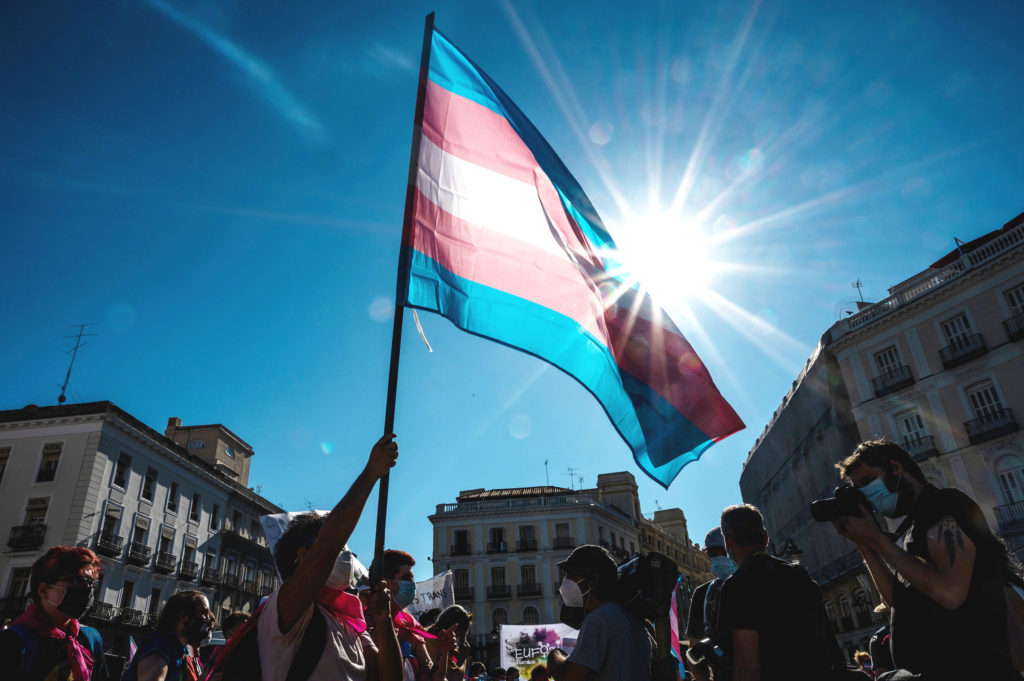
527,645
436,592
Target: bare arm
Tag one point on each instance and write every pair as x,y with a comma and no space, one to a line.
151,668
747,658
948,577
387,666
881,575
300,590
700,671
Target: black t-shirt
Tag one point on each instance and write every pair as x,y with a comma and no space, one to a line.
971,641
783,605
696,627
51,659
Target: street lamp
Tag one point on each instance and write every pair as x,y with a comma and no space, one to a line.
792,552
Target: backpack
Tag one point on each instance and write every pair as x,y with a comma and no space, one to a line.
30,644
240,660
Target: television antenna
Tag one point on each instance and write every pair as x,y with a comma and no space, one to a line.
844,307
571,472
74,353
859,285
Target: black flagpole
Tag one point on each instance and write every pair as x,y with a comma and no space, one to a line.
400,288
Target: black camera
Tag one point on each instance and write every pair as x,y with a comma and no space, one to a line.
846,502
703,651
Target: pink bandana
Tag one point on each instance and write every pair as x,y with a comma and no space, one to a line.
345,608
79,657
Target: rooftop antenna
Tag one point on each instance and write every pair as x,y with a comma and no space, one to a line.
859,285
581,481
571,472
74,353
547,480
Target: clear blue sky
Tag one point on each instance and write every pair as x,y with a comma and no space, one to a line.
218,187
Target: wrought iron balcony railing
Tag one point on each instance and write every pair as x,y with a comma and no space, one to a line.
890,382
25,537
462,549
165,562
139,553
1010,517
102,611
921,448
963,350
526,545
109,544
499,591
463,593
229,581
497,547
1014,327
529,590
563,543
188,570
210,576
988,426
131,617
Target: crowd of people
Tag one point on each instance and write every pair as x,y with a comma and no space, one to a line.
954,595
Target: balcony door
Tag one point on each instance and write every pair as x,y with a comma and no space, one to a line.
913,428
985,402
1011,479
957,330
1015,299
887,360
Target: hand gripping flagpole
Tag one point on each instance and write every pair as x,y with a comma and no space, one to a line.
400,288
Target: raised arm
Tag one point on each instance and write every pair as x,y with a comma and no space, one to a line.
300,590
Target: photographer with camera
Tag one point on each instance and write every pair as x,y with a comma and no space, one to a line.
947,584
702,624
613,643
773,610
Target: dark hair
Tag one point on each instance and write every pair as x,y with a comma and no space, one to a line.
233,620
300,534
496,672
508,672
454,614
476,667
744,524
391,563
181,603
429,617
538,670
878,453
61,561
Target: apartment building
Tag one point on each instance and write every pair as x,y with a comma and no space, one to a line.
165,512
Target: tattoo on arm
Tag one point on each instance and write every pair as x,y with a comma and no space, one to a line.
952,537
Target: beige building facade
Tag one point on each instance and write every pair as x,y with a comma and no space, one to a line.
502,545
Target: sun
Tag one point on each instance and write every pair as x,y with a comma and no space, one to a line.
669,257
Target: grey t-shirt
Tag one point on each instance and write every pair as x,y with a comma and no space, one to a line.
614,643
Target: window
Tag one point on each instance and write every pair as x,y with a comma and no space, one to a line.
5,453
230,452
888,360
196,444
632,548
48,466
499,616
531,615
957,330
210,560
122,470
461,542
172,498
215,517
140,530
526,534
497,576
193,511
527,574
913,428
35,510
1010,471
497,535
236,521
188,554
154,601
20,580
126,594
148,484
1015,299
562,530
111,517
166,540
460,579
985,401
254,530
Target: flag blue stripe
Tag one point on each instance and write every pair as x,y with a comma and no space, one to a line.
663,441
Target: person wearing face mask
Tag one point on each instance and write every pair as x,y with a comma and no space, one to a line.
703,619
613,643
773,610
172,652
947,585
47,641
313,622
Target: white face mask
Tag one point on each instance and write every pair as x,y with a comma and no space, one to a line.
572,594
341,575
881,498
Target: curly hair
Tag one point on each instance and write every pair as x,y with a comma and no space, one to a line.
300,534
61,561
181,603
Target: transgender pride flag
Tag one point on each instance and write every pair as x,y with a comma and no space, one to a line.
505,244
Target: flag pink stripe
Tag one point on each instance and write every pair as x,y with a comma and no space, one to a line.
474,133
506,264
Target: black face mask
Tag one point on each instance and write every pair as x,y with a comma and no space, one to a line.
196,630
77,600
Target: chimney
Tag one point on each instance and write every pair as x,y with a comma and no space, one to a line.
173,424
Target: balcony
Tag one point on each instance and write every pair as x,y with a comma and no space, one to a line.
1014,327
462,549
25,537
497,547
528,590
266,589
563,543
1010,517
230,581
620,552
921,448
102,611
604,544
138,553
846,623
463,593
249,587
131,617
963,350
152,619
109,544
998,423
210,576
526,545
165,563
499,591
188,571
890,382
